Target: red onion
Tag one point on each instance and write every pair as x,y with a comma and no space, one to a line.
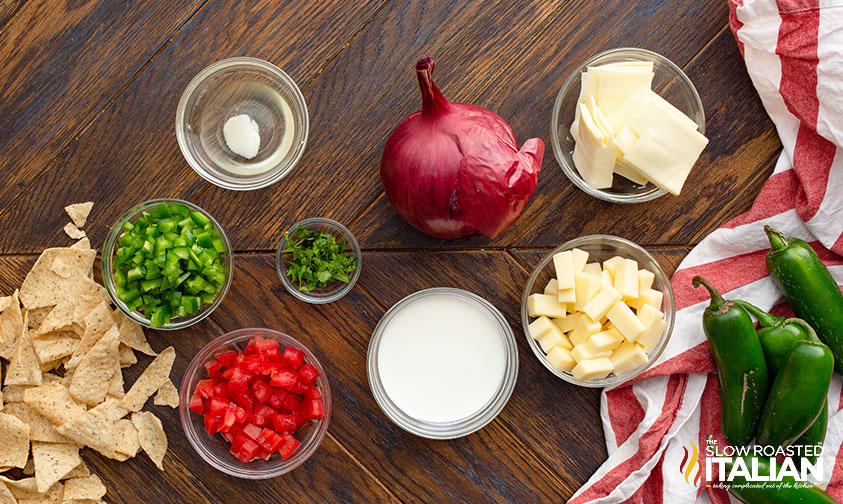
452,169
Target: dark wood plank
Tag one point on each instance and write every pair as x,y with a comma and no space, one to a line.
558,421
365,93
742,139
491,465
525,91
130,153
63,62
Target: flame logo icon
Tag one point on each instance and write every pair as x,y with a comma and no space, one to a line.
687,466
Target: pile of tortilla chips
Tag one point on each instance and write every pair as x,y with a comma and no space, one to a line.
63,389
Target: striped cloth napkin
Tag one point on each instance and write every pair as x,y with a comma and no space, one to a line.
794,54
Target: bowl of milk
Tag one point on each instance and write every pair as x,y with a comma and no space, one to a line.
242,123
442,363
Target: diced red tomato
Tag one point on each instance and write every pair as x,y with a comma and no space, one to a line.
276,400
308,374
284,422
229,418
263,454
205,388
214,368
312,409
216,407
264,345
269,367
227,358
262,414
294,357
251,365
240,415
269,440
262,390
243,400
247,452
284,378
228,373
252,430
221,390
312,393
289,444
212,424
239,381
291,403
197,404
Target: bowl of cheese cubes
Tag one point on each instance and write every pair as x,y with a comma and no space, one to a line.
598,311
628,126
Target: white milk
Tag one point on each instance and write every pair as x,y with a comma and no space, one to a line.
441,358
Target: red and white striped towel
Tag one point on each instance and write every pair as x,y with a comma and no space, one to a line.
794,54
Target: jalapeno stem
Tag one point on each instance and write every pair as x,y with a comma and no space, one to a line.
717,300
778,240
812,335
764,319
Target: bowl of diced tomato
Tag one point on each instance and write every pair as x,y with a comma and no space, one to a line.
255,403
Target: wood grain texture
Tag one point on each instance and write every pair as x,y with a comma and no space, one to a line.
130,153
524,93
491,465
62,64
367,90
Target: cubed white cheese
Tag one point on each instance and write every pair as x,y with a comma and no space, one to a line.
606,280
540,327
581,353
542,304
645,279
649,315
625,321
650,297
628,356
579,258
552,288
585,327
592,269
552,339
603,341
610,265
568,323
592,369
561,359
563,262
599,306
587,286
626,278
652,335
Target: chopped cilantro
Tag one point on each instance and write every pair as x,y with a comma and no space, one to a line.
317,259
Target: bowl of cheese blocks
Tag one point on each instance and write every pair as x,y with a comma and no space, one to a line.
628,126
598,311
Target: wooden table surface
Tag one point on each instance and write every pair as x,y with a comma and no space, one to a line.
89,93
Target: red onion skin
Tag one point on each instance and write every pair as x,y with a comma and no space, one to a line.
453,169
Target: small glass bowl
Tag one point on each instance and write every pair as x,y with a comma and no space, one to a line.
231,87
669,81
214,449
465,426
110,248
331,292
601,248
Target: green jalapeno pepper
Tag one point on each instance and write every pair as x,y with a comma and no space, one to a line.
777,334
789,491
815,435
741,367
798,394
809,288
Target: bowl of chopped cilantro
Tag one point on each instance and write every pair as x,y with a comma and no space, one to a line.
166,264
318,260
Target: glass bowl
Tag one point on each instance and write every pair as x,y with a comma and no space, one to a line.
601,248
214,449
330,292
462,427
231,87
669,81
110,248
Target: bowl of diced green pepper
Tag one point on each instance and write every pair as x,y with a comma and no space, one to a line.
318,260
167,264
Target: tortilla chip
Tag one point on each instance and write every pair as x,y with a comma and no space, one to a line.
24,368
94,428
29,468
151,379
151,436
126,438
14,393
131,334
90,487
92,377
5,302
55,346
40,427
73,231
84,243
53,496
54,402
60,317
37,316
6,496
115,385
98,322
14,441
82,309
25,488
53,462
78,212
79,471
127,356
167,395
11,325
43,287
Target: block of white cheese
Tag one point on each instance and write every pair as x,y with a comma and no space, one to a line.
552,288
581,352
592,269
588,88
542,304
554,338
645,280
626,321
602,303
568,323
594,151
592,369
650,297
587,286
610,265
629,172
585,328
627,357
653,320
540,327
616,83
561,359
603,341
563,263
626,278
579,258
